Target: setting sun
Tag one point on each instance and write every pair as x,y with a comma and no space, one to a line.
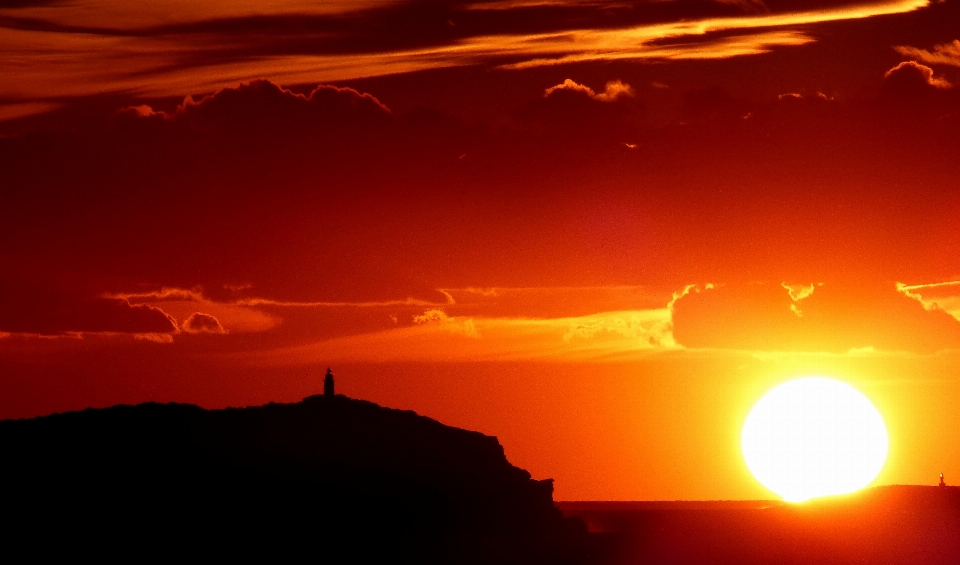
814,437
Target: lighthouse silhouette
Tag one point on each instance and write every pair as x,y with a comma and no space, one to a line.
328,383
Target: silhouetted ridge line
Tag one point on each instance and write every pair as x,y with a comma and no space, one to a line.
341,478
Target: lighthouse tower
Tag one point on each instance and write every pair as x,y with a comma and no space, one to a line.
328,383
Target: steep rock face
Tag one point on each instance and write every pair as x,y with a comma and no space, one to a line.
342,478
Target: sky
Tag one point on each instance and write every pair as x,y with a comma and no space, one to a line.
598,230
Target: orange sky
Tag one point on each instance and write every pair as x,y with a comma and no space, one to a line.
599,231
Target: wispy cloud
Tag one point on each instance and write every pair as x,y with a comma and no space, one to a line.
21,109
654,41
537,323
797,293
202,314
609,336
946,54
159,295
439,319
167,294
59,52
943,296
336,304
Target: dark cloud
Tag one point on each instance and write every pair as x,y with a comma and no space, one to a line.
833,318
324,195
32,309
713,103
235,189
262,105
613,91
198,322
912,79
574,109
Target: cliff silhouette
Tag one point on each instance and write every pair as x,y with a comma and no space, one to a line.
341,480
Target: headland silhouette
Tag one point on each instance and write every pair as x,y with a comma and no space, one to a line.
330,478
347,481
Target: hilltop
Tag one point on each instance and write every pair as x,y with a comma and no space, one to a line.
346,480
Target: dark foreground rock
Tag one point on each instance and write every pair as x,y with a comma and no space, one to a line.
329,478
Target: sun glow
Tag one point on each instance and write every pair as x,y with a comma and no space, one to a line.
814,437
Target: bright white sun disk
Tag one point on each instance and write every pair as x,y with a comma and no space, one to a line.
814,437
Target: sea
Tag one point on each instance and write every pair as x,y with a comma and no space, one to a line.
909,525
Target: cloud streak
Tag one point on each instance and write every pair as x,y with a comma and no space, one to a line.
437,337
942,296
439,319
945,54
60,52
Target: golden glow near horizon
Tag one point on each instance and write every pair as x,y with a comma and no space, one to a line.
814,437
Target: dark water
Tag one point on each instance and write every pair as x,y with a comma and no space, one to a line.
886,525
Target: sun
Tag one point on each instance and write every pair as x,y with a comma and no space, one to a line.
814,437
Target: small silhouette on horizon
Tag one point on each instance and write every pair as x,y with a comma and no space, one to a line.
328,384
943,484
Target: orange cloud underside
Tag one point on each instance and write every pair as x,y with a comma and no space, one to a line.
826,318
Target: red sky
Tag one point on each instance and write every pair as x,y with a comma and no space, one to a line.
598,230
